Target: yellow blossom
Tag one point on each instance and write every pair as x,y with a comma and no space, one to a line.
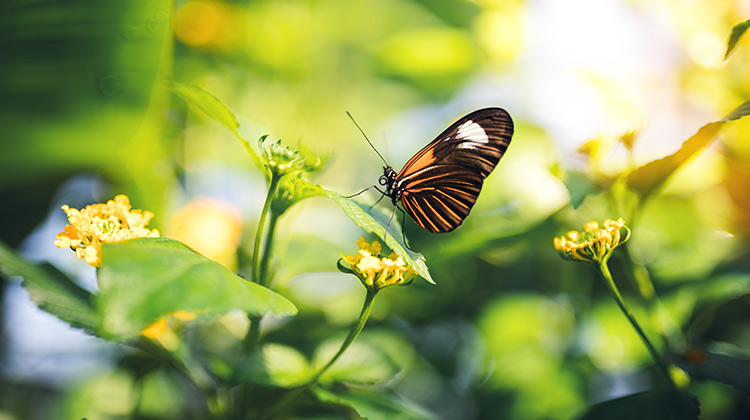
163,330
594,244
96,224
210,228
374,271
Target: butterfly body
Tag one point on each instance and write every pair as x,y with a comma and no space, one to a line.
439,185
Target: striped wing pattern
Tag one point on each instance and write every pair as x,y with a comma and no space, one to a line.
440,184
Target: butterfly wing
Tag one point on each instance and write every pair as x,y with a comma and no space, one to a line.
440,184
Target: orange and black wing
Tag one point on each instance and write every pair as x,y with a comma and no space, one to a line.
440,184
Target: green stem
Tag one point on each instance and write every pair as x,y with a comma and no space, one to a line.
285,402
219,403
272,186
267,250
612,288
252,336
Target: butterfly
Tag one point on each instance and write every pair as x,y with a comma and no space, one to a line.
439,185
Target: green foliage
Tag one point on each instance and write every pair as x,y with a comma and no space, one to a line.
65,83
739,112
737,31
511,331
651,176
361,364
374,406
274,365
215,109
649,405
579,186
52,290
208,103
720,367
168,277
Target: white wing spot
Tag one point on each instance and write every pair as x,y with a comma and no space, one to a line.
472,133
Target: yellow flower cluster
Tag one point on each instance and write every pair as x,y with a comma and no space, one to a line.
100,223
374,271
594,244
163,329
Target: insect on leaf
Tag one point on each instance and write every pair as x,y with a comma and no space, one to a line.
372,221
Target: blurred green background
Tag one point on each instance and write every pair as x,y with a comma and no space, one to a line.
510,330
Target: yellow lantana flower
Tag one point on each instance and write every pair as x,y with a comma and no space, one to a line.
163,330
210,228
374,271
594,244
96,224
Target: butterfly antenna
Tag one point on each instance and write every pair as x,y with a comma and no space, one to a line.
368,140
385,143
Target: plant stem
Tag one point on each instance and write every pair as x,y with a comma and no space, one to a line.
284,403
252,336
267,251
272,186
253,333
612,288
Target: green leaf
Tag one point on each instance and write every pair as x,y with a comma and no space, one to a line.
274,365
723,321
215,109
375,405
375,221
720,367
649,405
293,189
737,31
52,290
143,279
651,176
739,112
359,364
579,187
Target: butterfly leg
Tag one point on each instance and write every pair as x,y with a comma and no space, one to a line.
403,228
376,203
403,225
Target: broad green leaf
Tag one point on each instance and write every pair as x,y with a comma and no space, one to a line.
651,176
375,222
215,109
143,279
649,405
52,290
737,31
375,406
719,367
274,365
360,364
